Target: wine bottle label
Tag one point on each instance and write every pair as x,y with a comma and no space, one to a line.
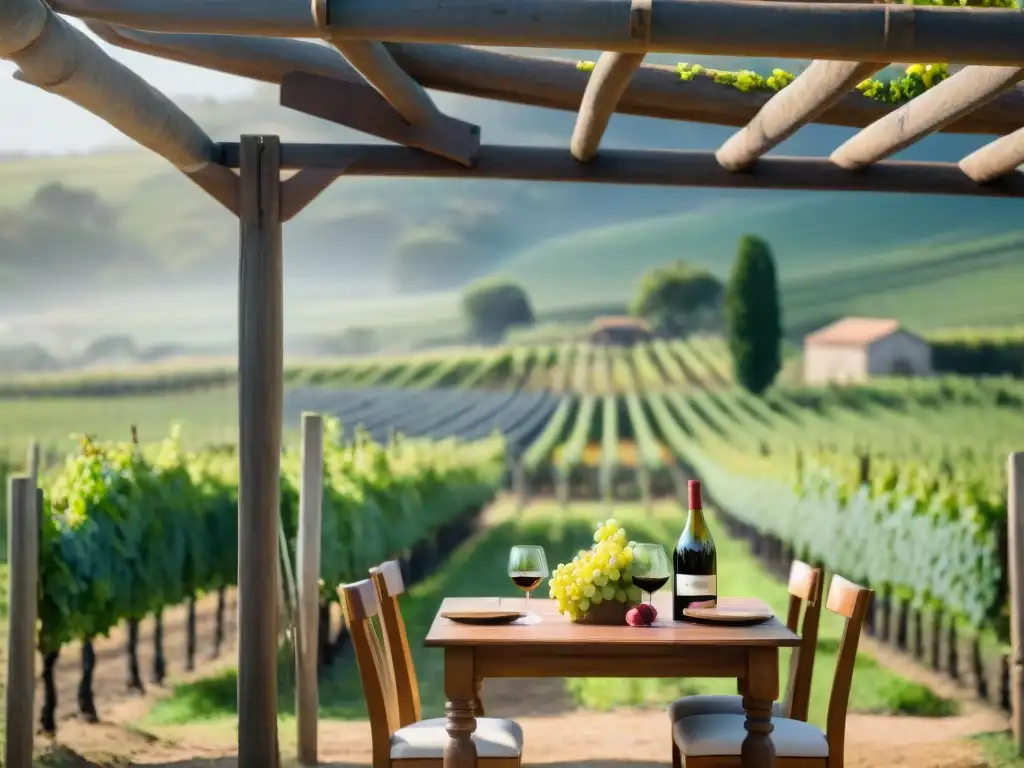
696,586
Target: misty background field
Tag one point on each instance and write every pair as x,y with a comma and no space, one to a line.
110,240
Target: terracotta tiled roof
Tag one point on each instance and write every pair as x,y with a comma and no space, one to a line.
619,321
854,331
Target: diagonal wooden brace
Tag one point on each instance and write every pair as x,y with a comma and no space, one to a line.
362,108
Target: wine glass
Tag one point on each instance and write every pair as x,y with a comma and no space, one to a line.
527,567
651,568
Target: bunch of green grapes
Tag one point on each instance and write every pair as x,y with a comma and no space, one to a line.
603,572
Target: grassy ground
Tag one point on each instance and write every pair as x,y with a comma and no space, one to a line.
888,269
478,568
1000,751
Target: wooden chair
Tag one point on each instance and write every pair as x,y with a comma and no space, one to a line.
805,586
418,744
387,580
716,740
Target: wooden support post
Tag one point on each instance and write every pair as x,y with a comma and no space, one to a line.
260,375
1015,539
308,566
33,463
23,575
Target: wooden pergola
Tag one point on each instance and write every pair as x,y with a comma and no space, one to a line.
372,74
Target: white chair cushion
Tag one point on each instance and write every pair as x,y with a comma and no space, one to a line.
688,706
494,737
710,735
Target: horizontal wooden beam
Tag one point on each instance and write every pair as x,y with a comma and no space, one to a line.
362,108
930,112
266,59
817,88
841,32
271,18
647,167
653,91
995,160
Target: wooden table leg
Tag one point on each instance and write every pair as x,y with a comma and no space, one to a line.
460,691
478,702
760,690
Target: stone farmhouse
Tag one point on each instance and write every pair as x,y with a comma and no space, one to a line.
855,349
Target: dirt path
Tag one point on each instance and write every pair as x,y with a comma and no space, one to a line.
573,739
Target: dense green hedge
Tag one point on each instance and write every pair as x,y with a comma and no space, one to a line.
124,534
980,354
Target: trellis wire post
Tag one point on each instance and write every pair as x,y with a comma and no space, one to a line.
308,566
1015,551
23,580
33,463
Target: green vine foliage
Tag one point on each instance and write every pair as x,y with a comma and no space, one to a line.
916,79
932,540
124,534
930,523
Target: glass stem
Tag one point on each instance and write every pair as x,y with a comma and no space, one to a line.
528,600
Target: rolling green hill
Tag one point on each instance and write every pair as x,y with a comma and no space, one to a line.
837,254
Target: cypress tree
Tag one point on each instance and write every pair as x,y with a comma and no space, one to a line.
753,317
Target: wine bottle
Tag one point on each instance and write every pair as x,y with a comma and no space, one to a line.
695,560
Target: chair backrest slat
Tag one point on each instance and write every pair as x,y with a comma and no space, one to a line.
805,586
850,601
387,580
360,604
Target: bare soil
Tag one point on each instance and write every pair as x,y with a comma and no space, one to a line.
110,674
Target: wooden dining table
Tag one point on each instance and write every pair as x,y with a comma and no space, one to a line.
553,647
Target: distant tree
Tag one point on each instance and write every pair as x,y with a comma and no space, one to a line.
430,259
109,347
83,206
356,340
27,358
678,299
492,307
753,317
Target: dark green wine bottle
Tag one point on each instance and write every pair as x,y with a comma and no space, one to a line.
696,562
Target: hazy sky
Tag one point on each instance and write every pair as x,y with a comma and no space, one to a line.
47,123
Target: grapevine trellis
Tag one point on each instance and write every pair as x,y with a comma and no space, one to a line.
372,76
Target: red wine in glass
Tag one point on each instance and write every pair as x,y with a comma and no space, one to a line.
651,569
528,582
650,584
527,567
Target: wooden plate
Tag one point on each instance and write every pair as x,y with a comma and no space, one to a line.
483,617
728,615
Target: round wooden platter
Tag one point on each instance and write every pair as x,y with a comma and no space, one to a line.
483,617
728,615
